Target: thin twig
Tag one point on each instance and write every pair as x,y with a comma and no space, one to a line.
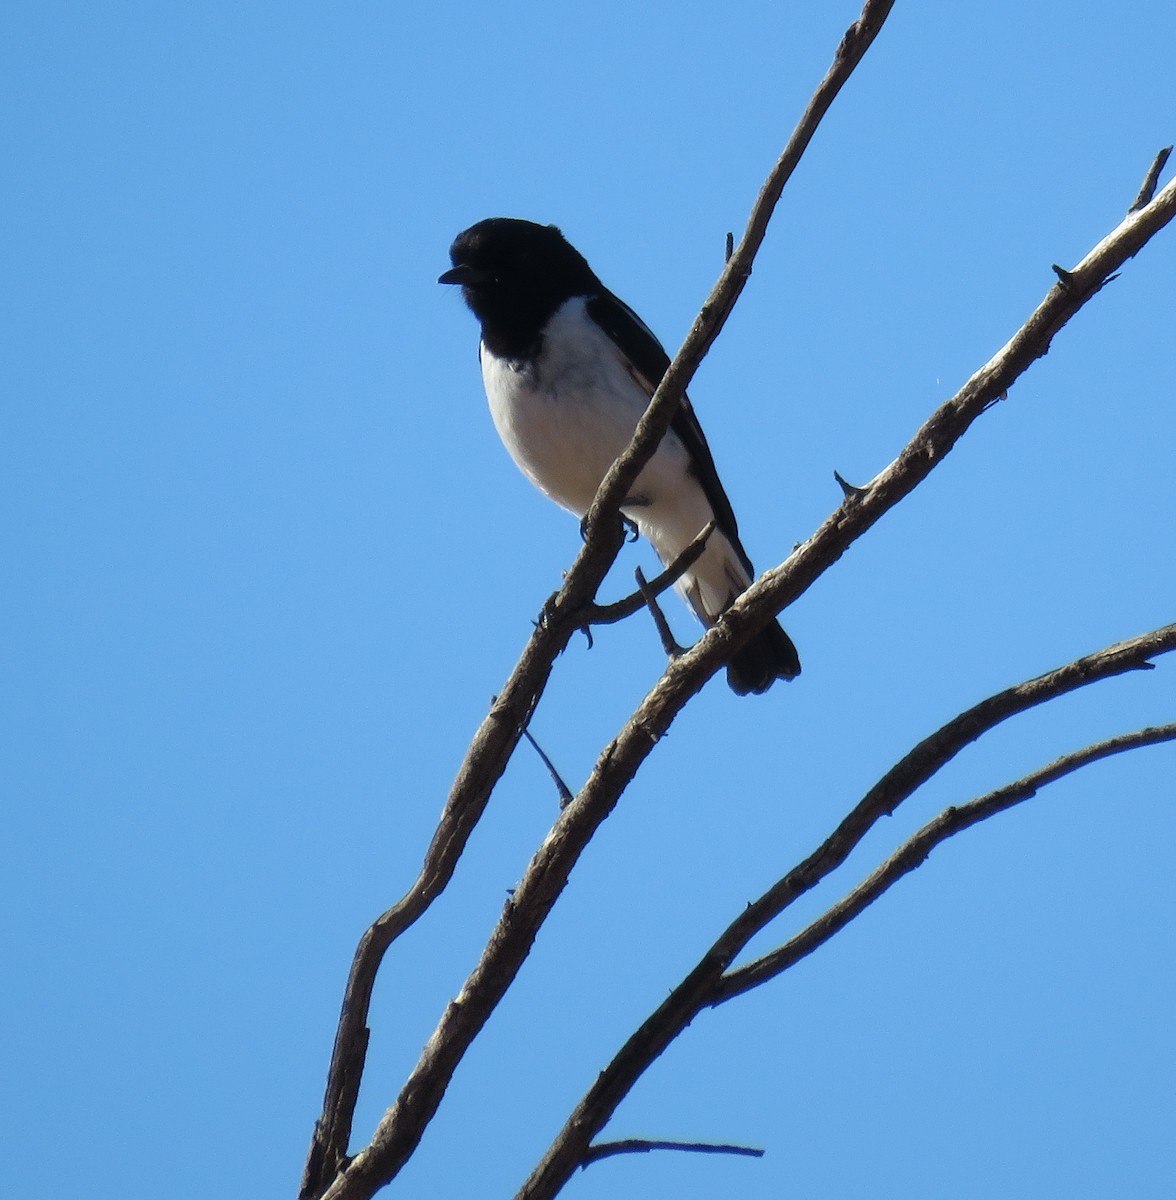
736,272
642,1146
931,755
565,792
913,853
609,614
668,641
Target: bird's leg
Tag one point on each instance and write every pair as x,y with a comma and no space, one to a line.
630,525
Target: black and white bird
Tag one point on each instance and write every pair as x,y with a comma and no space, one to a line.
568,370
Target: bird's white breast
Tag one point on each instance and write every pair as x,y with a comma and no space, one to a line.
567,414
565,417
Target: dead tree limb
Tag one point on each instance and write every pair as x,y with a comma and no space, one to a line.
500,732
710,982
400,1129
329,1172
914,852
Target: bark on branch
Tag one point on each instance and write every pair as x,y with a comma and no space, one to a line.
329,1172
914,852
711,982
500,732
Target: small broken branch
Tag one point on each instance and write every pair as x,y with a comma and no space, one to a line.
1148,188
565,792
642,1146
849,490
668,641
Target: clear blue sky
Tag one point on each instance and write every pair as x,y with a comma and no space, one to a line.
266,562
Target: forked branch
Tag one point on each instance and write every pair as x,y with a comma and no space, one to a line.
329,1172
500,732
619,610
711,982
914,852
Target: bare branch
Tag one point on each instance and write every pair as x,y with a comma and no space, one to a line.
777,588
329,1171
736,272
565,792
609,614
1148,188
401,1128
914,852
642,1146
702,987
668,641
930,756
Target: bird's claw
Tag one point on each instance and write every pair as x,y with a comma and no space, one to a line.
630,527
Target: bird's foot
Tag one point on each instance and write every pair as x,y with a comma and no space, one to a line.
629,525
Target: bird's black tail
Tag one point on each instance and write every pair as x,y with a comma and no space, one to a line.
769,656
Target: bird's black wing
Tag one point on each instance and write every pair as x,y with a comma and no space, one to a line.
648,362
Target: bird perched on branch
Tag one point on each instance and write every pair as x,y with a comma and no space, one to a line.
568,370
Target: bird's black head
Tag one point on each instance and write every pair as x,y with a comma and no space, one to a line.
514,275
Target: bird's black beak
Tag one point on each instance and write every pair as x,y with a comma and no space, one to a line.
465,275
